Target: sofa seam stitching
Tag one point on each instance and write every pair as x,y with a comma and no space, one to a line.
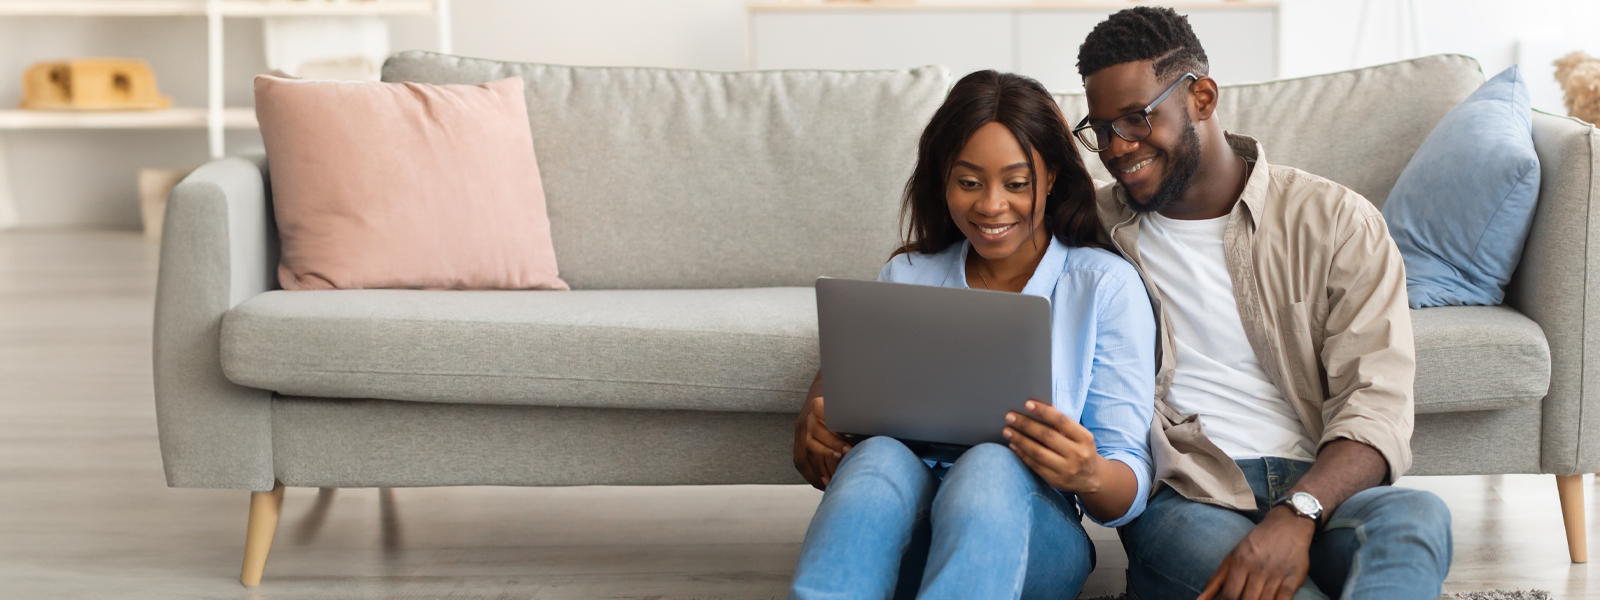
543,378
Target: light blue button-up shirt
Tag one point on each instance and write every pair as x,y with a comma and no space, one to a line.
1102,340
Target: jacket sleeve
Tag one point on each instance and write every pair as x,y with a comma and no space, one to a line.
1368,353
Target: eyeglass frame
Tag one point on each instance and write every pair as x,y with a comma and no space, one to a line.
1143,113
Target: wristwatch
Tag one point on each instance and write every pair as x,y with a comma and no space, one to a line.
1303,504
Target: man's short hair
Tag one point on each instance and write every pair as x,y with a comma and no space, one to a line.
1144,33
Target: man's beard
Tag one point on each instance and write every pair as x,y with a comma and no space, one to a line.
1181,168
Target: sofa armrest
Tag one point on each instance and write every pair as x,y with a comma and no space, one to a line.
218,248
1557,284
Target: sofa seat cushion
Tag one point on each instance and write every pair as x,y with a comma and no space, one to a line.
751,350
742,350
1478,358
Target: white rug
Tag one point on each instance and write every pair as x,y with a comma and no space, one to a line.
1499,595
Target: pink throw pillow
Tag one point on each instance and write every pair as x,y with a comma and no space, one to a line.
405,185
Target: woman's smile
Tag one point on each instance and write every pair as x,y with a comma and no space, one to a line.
994,232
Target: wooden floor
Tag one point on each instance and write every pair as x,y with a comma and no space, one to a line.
85,512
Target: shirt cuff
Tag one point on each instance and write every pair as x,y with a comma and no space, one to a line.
1141,473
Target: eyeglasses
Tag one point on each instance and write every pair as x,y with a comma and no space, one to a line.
1133,126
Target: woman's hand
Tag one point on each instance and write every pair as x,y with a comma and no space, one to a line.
817,450
1057,448
1062,452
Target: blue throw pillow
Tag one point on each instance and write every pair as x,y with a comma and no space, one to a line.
1461,210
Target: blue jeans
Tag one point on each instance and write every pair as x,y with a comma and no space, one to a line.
888,527
1385,542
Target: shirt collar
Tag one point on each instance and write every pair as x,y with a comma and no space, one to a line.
1043,281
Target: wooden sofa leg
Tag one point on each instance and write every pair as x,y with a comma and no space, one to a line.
264,509
1570,487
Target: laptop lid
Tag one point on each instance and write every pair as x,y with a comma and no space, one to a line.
929,364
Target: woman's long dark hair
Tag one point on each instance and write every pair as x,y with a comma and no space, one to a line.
1026,108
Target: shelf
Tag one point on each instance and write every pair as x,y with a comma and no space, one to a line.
101,8
286,8
194,8
174,118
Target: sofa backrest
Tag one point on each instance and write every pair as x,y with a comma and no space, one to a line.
1358,128
661,178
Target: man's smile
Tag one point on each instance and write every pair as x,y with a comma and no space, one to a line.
1138,165
1136,174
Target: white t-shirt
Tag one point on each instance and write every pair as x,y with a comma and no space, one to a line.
1218,376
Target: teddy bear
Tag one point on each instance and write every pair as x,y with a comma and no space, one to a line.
1579,76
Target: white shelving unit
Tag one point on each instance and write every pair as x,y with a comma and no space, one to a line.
200,8
215,118
174,118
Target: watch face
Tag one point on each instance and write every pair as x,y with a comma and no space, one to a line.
1305,504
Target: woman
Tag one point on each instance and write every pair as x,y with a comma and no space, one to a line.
999,200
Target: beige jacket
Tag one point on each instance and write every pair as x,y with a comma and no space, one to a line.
1322,296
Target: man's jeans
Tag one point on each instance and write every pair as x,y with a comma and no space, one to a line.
888,527
1385,543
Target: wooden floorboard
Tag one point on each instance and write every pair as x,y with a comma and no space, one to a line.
85,511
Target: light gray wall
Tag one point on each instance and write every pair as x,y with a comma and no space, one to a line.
685,34
78,178
87,178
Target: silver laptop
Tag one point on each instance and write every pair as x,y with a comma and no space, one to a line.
935,367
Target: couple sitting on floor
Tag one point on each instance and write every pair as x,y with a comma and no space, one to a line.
1242,448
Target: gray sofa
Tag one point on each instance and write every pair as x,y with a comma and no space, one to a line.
690,213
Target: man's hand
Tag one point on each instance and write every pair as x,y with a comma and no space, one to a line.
1271,561
817,450
1268,564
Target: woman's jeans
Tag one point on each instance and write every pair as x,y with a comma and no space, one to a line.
1384,543
889,527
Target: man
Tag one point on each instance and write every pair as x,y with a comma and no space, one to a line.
1284,383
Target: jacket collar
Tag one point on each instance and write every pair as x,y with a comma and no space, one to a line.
1254,197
